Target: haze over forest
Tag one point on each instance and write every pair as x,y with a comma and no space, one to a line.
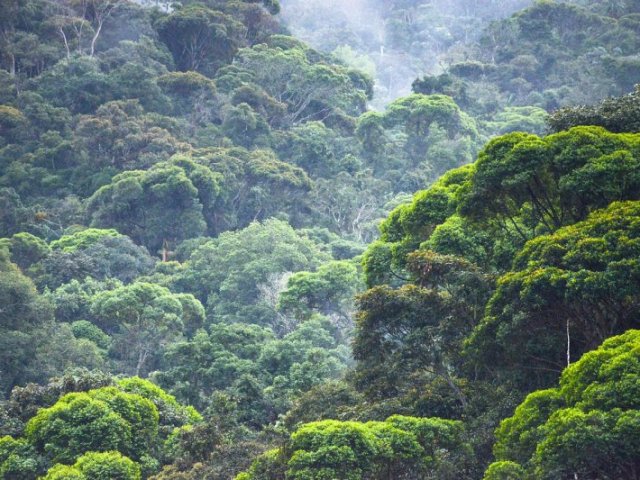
305,240
395,42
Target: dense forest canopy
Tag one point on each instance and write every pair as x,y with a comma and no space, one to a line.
262,240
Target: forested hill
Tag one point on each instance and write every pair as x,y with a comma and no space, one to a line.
218,261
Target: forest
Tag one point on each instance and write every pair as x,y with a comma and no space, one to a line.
319,240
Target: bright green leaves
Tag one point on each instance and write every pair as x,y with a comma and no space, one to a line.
578,429
97,466
504,470
82,422
409,225
112,432
82,239
18,459
519,434
329,449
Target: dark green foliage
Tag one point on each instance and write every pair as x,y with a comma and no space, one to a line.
567,293
257,372
200,134
619,114
200,38
22,314
141,318
412,334
164,203
92,253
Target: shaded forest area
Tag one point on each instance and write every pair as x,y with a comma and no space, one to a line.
218,261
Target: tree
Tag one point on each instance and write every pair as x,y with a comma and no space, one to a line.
22,314
25,249
414,333
400,447
163,203
141,318
525,185
100,254
586,427
120,136
18,460
329,290
98,420
77,84
227,272
618,114
254,185
97,465
410,224
567,292
200,38
311,90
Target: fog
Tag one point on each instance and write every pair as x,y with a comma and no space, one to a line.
394,40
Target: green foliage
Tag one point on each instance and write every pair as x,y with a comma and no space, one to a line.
22,314
172,413
568,291
25,249
199,131
93,427
504,470
24,402
141,318
239,274
18,460
415,330
408,225
577,428
259,373
200,38
526,185
329,290
521,119
82,239
166,202
310,89
97,465
104,258
619,114
98,420
86,329
406,447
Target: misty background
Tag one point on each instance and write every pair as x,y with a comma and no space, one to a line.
395,41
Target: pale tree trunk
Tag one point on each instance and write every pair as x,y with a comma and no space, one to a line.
142,358
568,345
